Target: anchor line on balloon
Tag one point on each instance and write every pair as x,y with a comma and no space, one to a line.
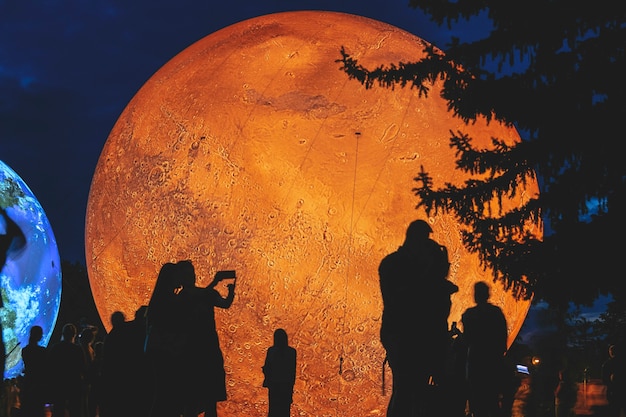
357,135
353,221
353,210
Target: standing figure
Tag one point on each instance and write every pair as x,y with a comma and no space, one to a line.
608,374
614,376
279,373
34,388
416,305
116,390
455,384
137,372
96,384
167,327
485,333
67,373
564,394
206,377
86,340
126,377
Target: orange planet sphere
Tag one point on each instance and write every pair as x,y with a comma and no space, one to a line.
251,150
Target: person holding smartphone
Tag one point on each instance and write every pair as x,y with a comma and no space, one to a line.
206,376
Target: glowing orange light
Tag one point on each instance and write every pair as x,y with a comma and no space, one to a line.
251,150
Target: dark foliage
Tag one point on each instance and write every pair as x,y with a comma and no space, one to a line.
553,69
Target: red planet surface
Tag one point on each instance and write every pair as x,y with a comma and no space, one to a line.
252,150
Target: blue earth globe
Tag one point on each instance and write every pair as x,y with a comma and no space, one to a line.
30,279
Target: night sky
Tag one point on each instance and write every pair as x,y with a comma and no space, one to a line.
68,69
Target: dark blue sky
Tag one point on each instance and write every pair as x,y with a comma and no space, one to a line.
68,69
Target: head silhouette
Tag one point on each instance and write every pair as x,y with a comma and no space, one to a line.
481,292
68,332
36,333
280,337
87,336
187,274
418,231
167,277
117,318
166,294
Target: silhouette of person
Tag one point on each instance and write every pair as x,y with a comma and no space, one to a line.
485,333
511,383
34,386
115,390
96,384
614,377
137,372
608,370
279,372
416,297
139,366
455,383
12,242
67,371
564,394
86,340
125,372
206,376
167,323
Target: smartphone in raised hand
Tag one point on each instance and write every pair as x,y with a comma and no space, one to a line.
223,280
221,275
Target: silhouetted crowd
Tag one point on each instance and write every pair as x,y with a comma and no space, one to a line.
69,377
167,361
